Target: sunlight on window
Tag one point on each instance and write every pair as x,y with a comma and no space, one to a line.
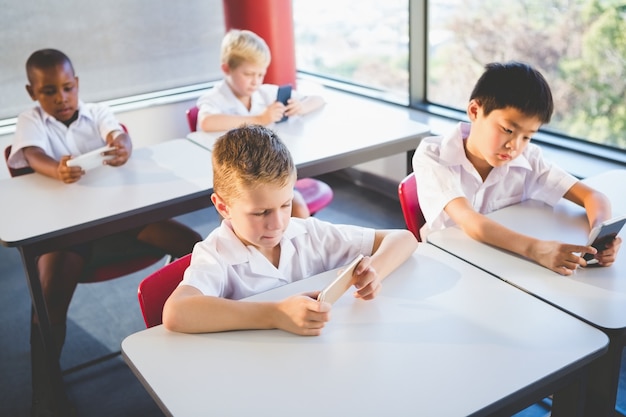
579,46
365,42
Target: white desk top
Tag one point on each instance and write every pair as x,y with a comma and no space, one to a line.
594,294
442,339
40,206
347,131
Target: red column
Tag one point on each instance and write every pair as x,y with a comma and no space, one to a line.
273,21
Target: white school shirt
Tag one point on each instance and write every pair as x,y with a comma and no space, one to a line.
35,127
222,266
443,173
221,100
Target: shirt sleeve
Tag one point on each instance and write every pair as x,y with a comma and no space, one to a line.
29,131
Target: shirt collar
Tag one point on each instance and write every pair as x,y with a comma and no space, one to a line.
234,252
81,113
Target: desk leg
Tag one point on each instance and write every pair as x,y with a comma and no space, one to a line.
45,332
604,377
570,400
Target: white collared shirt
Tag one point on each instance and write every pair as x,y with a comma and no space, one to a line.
35,127
443,173
223,266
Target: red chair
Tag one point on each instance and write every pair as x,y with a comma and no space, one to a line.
317,194
154,290
413,216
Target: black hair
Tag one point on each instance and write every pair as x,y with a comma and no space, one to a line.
46,58
514,84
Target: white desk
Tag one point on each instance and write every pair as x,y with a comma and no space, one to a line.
596,295
347,131
39,214
442,339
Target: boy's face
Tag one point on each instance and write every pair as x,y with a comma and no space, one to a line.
499,137
56,90
259,216
245,79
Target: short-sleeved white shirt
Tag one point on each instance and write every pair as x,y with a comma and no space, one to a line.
35,127
223,266
221,100
443,173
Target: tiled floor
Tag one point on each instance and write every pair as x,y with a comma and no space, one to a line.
102,314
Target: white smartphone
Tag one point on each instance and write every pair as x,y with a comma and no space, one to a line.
91,159
603,234
340,285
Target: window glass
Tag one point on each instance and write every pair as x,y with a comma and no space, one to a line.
364,42
578,45
119,48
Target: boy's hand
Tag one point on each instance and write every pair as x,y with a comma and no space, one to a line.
302,314
607,256
121,153
273,113
294,107
560,257
68,174
368,282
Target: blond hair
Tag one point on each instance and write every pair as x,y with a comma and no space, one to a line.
240,46
248,156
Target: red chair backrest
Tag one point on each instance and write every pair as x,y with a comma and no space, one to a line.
155,289
413,216
192,118
15,172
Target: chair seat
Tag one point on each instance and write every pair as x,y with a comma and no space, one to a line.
316,194
118,255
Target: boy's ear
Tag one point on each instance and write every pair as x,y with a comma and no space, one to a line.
31,92
473,108
220,206
225,68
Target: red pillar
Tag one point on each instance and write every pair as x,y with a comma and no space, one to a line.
273,21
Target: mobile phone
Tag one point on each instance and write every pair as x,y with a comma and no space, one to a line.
603,234
340,285
91,159
284,94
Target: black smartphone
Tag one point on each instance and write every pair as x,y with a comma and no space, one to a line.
603,234
284,94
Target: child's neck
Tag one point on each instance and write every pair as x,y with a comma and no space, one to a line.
71,120
482,167
272,255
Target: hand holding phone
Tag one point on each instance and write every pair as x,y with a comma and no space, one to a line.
91,159
340,285
603,234
284,94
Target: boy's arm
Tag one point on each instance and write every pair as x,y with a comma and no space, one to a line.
598,209
222,122
391,249
596,204
48,166
189,311
559,257
304,106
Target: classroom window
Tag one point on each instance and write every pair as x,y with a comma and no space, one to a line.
364,43
119,48
579,45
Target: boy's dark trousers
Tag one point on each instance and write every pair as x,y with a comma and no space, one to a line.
43,402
